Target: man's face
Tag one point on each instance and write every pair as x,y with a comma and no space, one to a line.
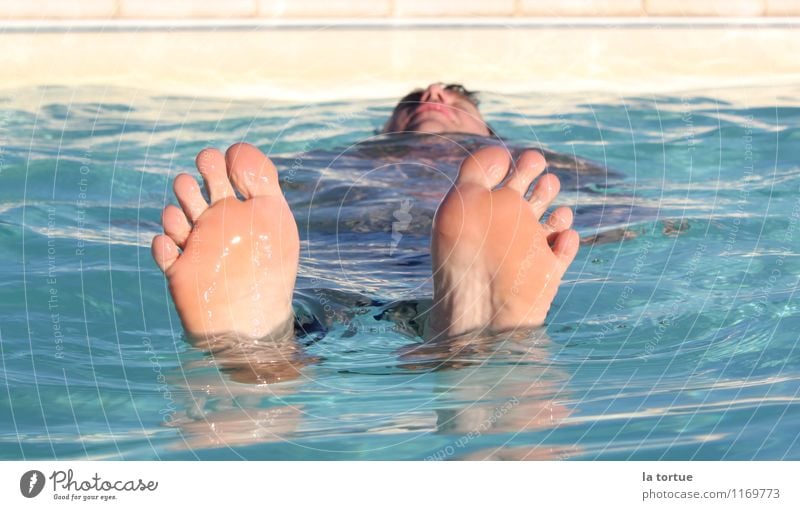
437,109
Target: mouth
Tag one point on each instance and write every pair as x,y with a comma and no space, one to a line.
438,108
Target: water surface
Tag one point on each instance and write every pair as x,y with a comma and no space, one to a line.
674,336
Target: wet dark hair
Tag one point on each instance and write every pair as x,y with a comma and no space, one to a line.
415,96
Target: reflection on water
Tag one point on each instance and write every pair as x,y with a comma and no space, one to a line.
484,385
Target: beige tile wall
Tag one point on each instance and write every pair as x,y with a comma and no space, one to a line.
582,8
291,9
185,8
414,8
54,9
782,7
736,8
324,8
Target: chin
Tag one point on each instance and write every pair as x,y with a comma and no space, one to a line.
430,126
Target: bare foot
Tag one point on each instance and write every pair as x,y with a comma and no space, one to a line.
231,265
495,266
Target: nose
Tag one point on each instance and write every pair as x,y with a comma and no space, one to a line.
434,94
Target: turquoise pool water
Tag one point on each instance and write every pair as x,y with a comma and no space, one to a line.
674,336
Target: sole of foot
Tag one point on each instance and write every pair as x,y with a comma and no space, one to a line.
231,264
496,265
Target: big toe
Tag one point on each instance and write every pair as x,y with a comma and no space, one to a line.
486,167
250,171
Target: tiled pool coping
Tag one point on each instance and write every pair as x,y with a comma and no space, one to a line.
308,60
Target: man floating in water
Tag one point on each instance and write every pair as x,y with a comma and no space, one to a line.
232,264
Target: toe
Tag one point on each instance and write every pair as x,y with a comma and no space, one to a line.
189,196
529,166
559,220
544,192
165,252
176,226
211,165
486,167
565,247
250,171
